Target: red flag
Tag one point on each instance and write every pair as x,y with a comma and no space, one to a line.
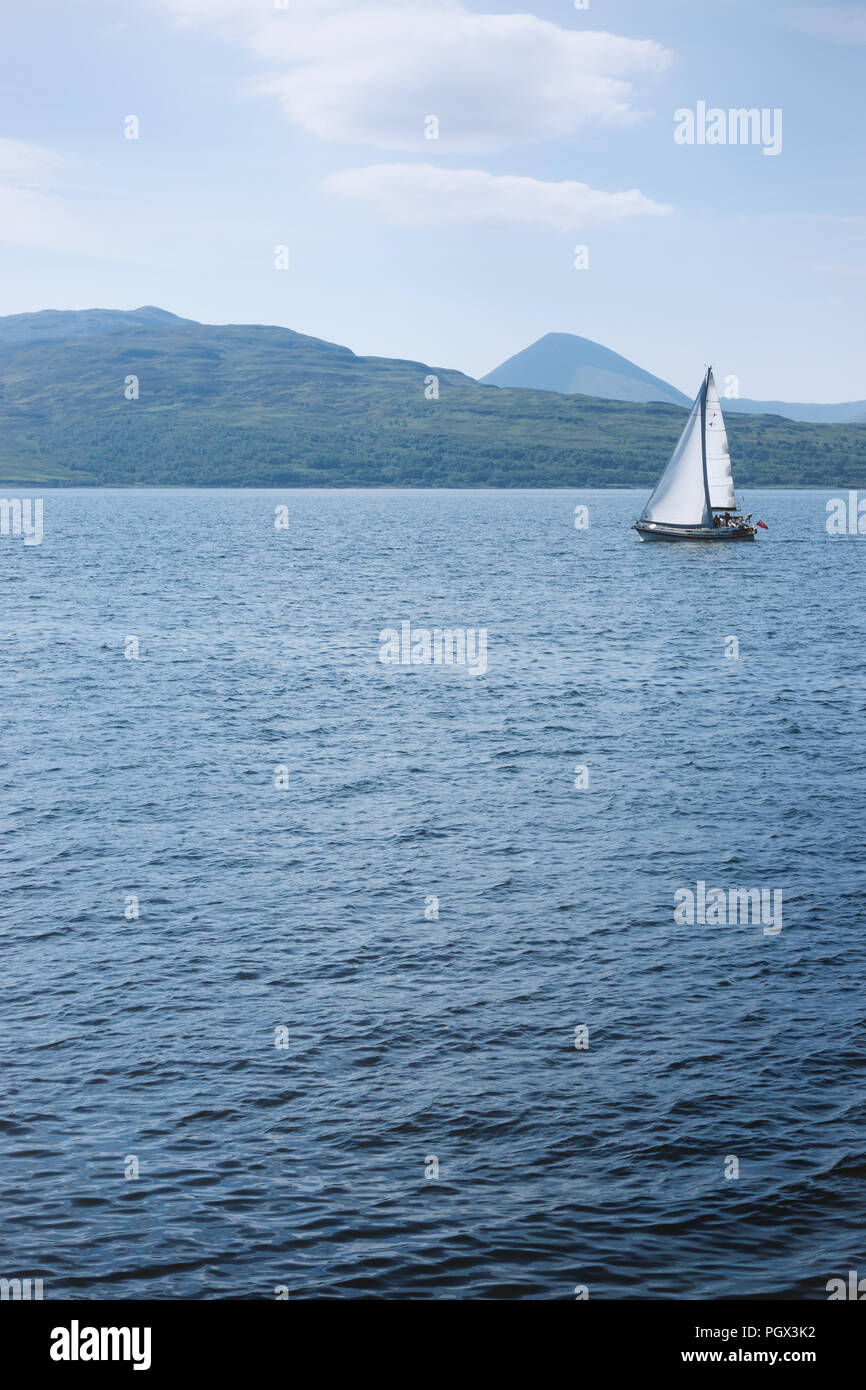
763,525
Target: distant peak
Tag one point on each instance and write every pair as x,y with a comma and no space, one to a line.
567,363
152,311
565,338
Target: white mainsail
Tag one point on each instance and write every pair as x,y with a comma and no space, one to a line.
719,476
681,497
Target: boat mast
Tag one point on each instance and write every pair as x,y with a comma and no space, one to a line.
704,390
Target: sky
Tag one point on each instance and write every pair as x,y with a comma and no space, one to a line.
306,124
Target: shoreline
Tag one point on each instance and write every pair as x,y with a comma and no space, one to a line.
388,487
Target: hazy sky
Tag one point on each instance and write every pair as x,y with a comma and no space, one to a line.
305,126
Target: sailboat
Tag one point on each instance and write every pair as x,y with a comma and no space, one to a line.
694,497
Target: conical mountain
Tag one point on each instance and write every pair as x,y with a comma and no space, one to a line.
569,364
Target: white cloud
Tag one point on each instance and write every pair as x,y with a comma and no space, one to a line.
30,216
41,208
26,164
425,195
369,71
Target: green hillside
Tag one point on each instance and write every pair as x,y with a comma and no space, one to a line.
246,405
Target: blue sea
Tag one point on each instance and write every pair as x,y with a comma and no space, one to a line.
342,978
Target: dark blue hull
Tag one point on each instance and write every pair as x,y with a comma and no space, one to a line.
655,531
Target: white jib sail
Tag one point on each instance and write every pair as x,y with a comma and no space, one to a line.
719,474
680,497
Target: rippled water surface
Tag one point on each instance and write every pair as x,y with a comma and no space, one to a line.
305,1165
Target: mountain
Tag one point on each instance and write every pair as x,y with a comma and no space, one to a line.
248,405
59,325
564,362
847,412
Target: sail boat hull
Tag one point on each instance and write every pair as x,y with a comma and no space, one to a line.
658,531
